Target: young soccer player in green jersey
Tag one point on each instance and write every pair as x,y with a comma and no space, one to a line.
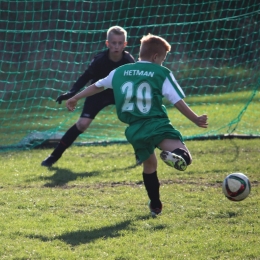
138,90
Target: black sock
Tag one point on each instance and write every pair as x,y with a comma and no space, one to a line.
69,137
152,186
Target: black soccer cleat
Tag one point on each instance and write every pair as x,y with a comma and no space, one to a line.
49,161
154,211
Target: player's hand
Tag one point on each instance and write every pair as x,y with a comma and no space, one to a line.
202,121
71,104
65,96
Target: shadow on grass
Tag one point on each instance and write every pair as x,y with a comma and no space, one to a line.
78,237
236,152
62,176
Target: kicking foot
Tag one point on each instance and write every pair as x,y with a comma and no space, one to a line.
174,160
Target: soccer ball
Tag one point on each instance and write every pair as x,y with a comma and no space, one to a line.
236,186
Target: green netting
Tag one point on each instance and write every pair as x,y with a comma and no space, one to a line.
46,45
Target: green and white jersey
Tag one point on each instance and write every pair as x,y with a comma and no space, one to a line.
139,89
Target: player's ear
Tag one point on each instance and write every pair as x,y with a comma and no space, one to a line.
107,43
154,56
125,44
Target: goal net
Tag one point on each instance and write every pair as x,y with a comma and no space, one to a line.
46,45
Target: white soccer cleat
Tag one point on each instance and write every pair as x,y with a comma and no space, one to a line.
174,160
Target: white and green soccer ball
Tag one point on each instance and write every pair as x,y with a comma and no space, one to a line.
236,186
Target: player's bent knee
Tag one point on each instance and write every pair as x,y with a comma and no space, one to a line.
184,154
83,125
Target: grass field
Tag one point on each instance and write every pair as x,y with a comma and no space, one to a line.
93,205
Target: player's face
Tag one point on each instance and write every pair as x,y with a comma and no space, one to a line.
116,44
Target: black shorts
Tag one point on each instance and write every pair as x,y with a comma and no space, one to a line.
97,102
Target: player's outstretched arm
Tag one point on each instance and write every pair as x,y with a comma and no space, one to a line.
79,84
200,121
89,91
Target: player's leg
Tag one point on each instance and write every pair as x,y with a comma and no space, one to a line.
91,108
66,141
152,185
175,154
141,137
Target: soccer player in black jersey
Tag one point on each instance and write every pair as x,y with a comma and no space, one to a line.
102,64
